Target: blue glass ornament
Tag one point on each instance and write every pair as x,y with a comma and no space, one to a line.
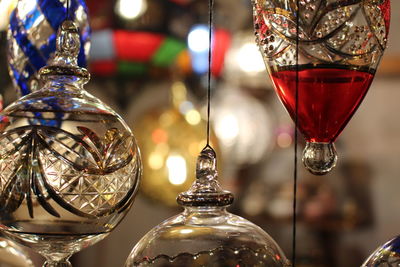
32,37
387,255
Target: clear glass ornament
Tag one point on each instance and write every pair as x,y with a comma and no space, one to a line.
205,233
69,164
387,255
324,60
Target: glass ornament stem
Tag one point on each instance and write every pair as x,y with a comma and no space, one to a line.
57,263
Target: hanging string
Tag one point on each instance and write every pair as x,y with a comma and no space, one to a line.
296,122
210,31
68,7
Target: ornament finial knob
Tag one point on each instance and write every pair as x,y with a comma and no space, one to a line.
65,60
206,166
67,44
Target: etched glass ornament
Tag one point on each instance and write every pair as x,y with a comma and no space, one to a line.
340,44
387,255
68,178
205,233
31,38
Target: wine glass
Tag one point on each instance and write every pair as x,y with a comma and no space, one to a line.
324,60
69,164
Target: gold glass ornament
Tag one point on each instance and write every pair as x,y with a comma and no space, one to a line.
170,139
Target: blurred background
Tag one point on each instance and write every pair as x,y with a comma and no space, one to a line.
148,61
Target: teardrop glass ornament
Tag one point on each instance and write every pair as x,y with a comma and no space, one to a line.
70,166
322,66
205,233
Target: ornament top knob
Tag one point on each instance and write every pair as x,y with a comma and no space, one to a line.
65,60
206,190
206,166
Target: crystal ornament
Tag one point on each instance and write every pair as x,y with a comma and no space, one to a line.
387,255
205,234
340,44
68,178
32,34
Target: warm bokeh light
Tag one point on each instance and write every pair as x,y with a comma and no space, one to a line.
193,117
176,169
6,6
249,58
130,9
284,140
228,128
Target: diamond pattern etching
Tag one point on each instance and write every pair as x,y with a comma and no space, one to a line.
349,32
85,174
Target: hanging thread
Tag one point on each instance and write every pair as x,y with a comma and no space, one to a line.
68,7
210,31
296,122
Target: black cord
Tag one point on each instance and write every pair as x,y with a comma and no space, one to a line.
296,122
68,7
210,33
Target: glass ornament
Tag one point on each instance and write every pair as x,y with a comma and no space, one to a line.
205,233
32,34
387,255
69,178
340,44
170,136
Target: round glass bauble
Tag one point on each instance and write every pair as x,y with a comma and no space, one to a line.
70,165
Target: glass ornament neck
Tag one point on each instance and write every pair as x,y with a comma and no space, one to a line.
63,66
206,192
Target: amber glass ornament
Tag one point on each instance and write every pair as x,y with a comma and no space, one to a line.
170,138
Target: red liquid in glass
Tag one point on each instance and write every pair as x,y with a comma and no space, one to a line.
327,98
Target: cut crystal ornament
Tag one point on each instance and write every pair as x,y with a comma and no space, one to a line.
387,255
340,44
205,234
68,178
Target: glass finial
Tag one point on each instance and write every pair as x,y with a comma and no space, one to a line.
65,60
206,190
